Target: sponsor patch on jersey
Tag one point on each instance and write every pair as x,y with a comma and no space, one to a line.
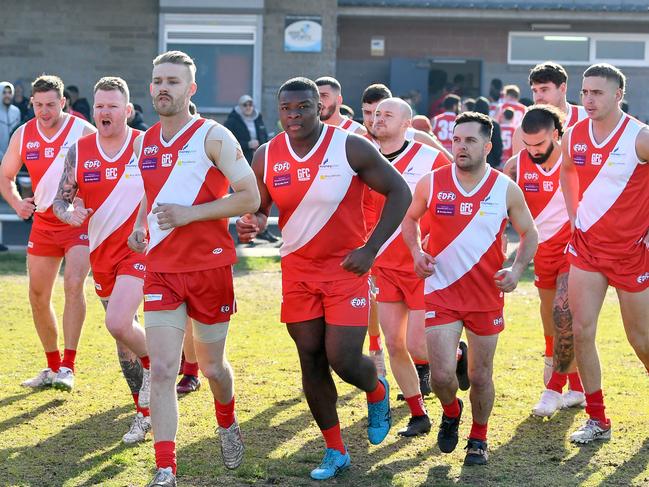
91,176
430,314
579,160
281,180
466,208
500,321
91,164
580,148
49,152
33,144
149,163
150,150
304,174
32,155
358,302
152,297
138,266
444,209
643,278
531,176
446,196
548,186
282,166
531,187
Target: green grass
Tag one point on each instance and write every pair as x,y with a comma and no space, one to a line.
49,438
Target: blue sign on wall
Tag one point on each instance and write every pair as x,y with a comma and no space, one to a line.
303,33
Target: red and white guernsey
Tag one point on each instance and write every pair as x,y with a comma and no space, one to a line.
613,211
45,159
466,232
180,172
443,125
518,108
112,187
506,134
413,163
350,125
319,200
545,200
576,113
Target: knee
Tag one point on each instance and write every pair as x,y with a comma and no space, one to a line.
218,372
163,371
39,297
342,365
395,346
440,378
583,333
73,285
118,328
480,379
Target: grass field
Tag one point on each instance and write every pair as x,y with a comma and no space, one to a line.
49,438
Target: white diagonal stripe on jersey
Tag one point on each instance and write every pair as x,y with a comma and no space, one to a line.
552,218
117,207
466,250
610,182
48,185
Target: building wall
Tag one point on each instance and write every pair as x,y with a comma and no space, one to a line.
80,42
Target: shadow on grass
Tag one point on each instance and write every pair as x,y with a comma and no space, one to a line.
9,400
627,471
29,415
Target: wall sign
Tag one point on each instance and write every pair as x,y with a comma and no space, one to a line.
303,33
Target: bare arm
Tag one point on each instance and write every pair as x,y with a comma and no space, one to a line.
431,140
510,167
11,164
569,179
411,232
249,225
137,240
517,140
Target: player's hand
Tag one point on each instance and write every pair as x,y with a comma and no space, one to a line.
171,215
507,279
247,227
78,214
359,261
25,208
424,264
137,240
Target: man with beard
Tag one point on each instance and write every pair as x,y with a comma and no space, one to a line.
468,204
536,171
331,98
187,165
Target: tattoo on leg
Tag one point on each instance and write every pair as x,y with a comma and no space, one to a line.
563,336
131,368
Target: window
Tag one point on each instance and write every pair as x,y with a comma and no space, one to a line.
227,53
578,48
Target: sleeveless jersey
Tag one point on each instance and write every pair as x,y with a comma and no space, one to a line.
45,159
319,197
613,212
413,163
466,232
575,114
180,172
350,125
545,200
443,125
506,134
113,188
519,111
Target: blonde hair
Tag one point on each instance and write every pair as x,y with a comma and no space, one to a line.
177,57
113,83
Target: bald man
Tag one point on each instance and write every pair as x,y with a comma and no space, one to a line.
400,293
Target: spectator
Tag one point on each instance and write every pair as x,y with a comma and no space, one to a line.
68,106
22,102
135,120
482,106
247,125
9,116
79,104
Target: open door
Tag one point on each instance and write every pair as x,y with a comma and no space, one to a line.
409,77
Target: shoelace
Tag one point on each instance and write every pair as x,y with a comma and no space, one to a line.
328,461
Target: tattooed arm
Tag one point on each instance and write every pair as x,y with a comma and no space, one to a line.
66,193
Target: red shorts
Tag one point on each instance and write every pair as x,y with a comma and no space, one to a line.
630,273
395,286
342,302
546,270
208,294
483,323
56,243
105,281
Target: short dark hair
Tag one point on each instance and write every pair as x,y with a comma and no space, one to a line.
481,105
486,125
113,83
451,101
48,82
299,84
328,81
608,71
376,92
542,117
74,89
470,104
508,114
548,72
347,111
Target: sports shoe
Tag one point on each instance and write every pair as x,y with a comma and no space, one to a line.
447,437
379,418
476,453
268,236
44,379
462,368
64,380
332,464
423,372
188,383
140,426
550,402
144,398
591,430
378,357
231,445
163,478
417,425
573,399
548,368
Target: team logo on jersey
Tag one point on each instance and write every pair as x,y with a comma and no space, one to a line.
531,176
91,164
217,251
49,152
91,176
83,236
282,166
444,209
167,160
152,297
596,159
531,187
643,278
149,163
548,186
446,196
186,150
139,267
466,208
33,145
111,173
304,174
579,157
225,308
580,148
150,150
358,302
282,180
500,321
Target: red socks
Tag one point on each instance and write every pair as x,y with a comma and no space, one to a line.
68,358
165,455
378,394
375,343
595,406
416,405
452,410
333,438
478,431
557,381
53,360
574,382
224,413
417,361
146,363
144,411
549,345
190,368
